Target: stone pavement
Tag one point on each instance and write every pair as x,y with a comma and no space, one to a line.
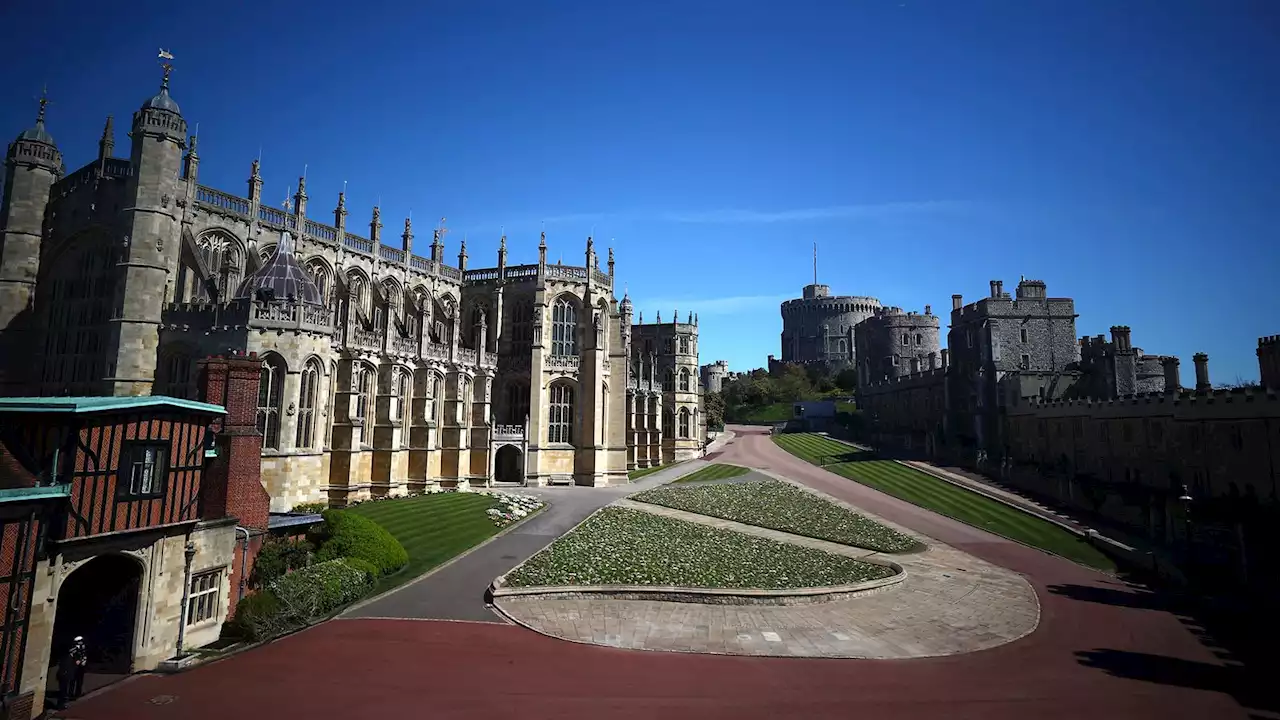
950,603
456,591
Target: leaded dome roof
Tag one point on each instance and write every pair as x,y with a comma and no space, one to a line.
162,101
280,278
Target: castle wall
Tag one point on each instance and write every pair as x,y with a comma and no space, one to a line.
818,328
892,343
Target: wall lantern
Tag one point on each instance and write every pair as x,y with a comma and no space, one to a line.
210,442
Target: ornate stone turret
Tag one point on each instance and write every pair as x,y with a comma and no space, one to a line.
1202,372
149,235
300,201
340,213
542,253
406,239
255,183
107,144
32,164
502,253
375,227
610,262
462,256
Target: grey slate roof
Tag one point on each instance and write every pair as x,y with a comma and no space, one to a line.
280,278
37,134
162,101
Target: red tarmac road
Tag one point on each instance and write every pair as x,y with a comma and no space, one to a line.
1104,649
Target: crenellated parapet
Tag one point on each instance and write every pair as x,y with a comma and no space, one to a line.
1222,402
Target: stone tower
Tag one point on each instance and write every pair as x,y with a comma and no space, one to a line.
32,165
151,224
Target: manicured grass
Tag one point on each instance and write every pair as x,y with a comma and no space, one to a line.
641,472
715,471
621,546
781,506
432,529
766,414
942,497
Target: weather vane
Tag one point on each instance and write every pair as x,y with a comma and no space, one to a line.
444,230
168,66
44,102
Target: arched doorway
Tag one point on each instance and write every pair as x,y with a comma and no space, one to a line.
509,465
99,600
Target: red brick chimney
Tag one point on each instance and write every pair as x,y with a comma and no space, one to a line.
232,483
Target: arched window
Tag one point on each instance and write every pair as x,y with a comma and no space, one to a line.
919,339
320,276
667,422
684,423
362,386
330,403
669,380
684,344
517,403
564,328
270,394
358,298
521,327
437,399
464,401
684,379
400,397
906,339
308,392
560,427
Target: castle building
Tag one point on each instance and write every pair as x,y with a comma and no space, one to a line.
384,372
713,375
817,328
891,343
665,416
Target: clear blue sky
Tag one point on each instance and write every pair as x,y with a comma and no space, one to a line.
1124,152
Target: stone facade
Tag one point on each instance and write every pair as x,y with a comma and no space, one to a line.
817,328
891,343
404,372
714,375
665,419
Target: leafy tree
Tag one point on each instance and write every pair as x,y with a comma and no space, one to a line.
847,380
713,406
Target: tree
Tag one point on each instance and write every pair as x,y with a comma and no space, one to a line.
847,379
713,407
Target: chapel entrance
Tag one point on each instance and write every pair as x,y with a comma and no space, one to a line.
99,601
509,465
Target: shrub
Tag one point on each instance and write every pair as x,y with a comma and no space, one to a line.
317,590
310,507
257,617
278,557
348,535
364,566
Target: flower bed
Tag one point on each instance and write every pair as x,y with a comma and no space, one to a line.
781,506
621,546
511,507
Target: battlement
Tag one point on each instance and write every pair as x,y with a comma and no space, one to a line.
1269,341
1184,398
923,377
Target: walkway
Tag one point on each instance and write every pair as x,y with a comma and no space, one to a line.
457,590
950,603
1103,650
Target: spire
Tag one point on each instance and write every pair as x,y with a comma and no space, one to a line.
107,144
611,261
168,68
340,212
44,103
542,249
462,254
502,249
255,181
300,197
375,226
191,164
407,238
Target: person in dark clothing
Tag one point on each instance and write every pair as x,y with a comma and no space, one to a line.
71,672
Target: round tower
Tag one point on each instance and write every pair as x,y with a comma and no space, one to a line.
818,327
149,246
32,164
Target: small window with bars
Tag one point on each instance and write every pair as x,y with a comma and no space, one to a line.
142,470
202,602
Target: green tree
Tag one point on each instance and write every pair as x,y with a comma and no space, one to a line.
847,379
713,406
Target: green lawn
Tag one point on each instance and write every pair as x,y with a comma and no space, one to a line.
942,497
715,471
432,529
641,472
621,546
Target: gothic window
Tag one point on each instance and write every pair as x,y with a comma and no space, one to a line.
362,385
906,339
404,396
684,379
919,339
358,299
521,327
564,328
437,398
308,392
177,376
270,395
464,402
842,347
320,276
330,403
560,427
684,344
668,421
394,301
517,403
669,380
684,423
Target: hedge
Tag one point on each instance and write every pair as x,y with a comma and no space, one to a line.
347,535
301,598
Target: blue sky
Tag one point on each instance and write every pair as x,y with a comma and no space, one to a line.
1123,152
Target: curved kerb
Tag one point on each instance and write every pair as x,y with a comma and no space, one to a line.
709,596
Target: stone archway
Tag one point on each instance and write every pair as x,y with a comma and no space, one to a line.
99,601
508,465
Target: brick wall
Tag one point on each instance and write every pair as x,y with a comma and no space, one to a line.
233,484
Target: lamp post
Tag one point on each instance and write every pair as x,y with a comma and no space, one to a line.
189,553
1185,498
